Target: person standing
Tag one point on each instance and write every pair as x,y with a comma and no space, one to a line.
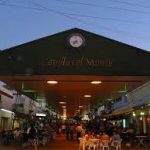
17,136
32,135
68,131
79,131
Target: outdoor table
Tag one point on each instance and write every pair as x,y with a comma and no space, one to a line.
141,139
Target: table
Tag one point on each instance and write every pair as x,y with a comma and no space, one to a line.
141,139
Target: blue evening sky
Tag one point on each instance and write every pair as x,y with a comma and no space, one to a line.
127,21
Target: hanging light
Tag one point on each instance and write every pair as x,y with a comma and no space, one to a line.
134,115
142,113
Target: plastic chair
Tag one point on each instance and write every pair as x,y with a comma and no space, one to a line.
116,144
104,145
82,143
92,144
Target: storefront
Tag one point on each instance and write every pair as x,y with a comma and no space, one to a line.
140,100
6,113
6,119
134,109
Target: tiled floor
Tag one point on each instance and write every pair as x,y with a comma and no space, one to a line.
60,143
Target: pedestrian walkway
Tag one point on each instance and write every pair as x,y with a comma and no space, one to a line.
60,143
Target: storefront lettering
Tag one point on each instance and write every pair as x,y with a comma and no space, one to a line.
99,62
82,61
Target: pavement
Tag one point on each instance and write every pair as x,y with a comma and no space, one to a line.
60,143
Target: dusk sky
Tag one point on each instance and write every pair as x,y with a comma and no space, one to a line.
22,21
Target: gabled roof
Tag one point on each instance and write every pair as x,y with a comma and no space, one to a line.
54,55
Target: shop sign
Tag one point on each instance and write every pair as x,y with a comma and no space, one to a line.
82,61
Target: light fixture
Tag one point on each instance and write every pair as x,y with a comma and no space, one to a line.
80,106
62,102
52,82
104,119
64,117
141,118
134,115
142,113
96,82
63,106
109,99
124,123
87,96
8,111
40,114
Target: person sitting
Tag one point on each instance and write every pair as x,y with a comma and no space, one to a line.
104,140
115,136
104,136
89,135
116,139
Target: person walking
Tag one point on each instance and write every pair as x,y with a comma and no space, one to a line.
32,135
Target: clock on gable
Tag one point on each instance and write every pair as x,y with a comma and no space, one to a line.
76,40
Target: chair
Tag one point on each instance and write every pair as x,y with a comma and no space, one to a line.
82,143
92,144
116,144
104,145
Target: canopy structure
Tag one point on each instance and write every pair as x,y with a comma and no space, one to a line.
74,58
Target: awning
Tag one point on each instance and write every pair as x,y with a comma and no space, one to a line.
122,111
5,92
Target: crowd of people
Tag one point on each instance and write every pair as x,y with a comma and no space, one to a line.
74,130
87,130
103,130
35,133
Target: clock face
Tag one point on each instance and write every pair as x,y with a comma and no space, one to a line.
76,40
